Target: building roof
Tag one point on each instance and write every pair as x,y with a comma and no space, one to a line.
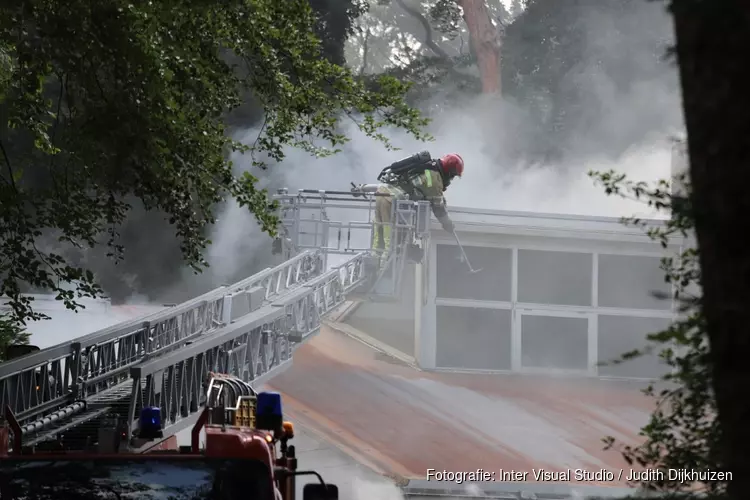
402,421
554,225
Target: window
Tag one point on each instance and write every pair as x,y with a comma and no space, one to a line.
627,281
621,334
493,283
147,478
554,342
560,278
473,338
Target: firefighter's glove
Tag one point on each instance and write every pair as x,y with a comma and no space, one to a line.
448,225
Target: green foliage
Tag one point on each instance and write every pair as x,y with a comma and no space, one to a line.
446,14
107,101
433,76
11,334
6,69
683,431
443,66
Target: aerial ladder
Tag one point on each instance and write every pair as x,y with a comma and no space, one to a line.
61,395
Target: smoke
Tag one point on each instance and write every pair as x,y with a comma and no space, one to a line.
489,182
627,104
629,110
363,489
619,102
96,314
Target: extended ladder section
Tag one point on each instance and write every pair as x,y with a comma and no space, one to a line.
248,330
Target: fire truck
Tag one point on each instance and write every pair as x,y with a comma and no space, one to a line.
246,455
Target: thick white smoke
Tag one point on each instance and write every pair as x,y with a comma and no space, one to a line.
482,130
488,182
637,105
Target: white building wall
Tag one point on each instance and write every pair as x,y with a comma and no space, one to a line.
391,322
525,313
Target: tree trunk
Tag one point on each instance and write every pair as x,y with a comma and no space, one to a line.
484,41
712,50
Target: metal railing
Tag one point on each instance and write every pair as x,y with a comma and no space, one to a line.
48,380
343,223
254,348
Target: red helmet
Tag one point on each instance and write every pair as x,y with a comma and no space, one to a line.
453,165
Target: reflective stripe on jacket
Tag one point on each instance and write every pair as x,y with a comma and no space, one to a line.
428,186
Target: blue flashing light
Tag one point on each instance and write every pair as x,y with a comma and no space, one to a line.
149,425
268,415
268,404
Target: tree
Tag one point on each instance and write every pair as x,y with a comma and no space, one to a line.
109,104
565,66
444,35
485,42
683,432
161,277
569,62
711,46
701,424
334,24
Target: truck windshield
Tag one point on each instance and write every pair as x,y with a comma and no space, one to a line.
147,478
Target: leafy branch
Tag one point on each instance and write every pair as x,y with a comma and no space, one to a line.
682,432
105,104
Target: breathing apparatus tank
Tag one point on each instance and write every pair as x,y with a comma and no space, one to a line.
397,171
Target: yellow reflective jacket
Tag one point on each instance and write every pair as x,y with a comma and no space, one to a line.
428,186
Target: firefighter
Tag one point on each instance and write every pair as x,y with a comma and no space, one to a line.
420,178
